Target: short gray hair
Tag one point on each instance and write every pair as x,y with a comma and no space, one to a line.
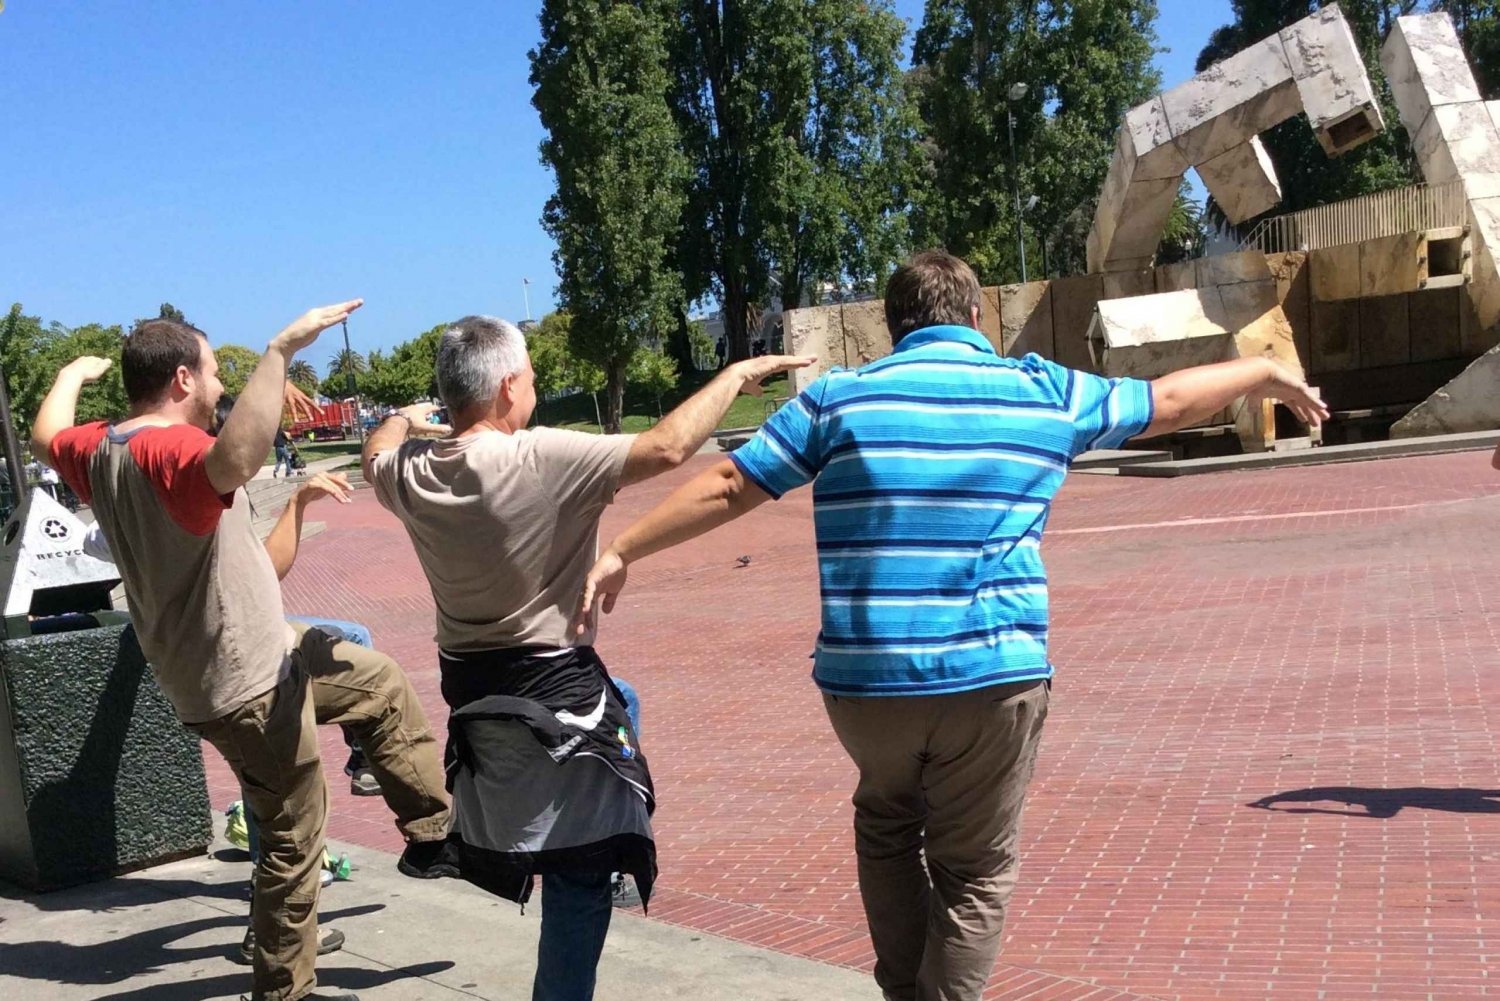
475,355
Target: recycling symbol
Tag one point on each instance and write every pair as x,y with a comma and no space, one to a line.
55,529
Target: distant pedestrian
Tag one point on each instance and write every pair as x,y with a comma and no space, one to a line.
283,446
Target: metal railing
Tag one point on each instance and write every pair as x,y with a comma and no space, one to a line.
1368,217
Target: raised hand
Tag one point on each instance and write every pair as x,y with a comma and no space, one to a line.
606,580
416,415
335,485
1300,398
305,329
88,368
757,370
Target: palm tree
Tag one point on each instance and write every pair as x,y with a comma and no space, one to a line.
347,362
303,375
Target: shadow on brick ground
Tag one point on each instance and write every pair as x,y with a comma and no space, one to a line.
1381,804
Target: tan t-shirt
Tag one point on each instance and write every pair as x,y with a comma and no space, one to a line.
203,594
506,527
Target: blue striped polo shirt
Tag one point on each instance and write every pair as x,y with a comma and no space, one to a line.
935,470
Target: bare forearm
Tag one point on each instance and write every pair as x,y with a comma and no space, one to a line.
56,414
285,537
714,497
390,434
246,438
682,432
1191,395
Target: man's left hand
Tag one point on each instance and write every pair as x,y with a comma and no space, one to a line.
335,485
606,580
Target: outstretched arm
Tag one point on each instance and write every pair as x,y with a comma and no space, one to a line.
682,432
58,409
245,441
714,497
408,421
286,534
1184,398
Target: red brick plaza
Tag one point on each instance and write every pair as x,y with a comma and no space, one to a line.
1321,639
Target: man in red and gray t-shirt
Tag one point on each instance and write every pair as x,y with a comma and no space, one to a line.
206,605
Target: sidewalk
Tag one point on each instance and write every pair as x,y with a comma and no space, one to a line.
166,934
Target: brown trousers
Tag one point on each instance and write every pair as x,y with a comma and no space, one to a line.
942,776
271,744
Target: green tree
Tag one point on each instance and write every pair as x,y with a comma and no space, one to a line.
408,374
1308,175
303,375
653,371
171,312
802,140
547,345
840,214
346,363
1084,63
235,365
600,78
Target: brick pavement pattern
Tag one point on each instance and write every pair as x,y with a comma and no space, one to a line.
1270,767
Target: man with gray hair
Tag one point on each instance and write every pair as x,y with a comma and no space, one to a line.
544,761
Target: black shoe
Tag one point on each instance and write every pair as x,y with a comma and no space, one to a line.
329,940
429,860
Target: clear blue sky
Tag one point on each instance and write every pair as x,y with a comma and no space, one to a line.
246,161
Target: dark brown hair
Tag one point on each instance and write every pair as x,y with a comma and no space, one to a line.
932,287
152,354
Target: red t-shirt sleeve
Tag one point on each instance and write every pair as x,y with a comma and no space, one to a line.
174,460
72,448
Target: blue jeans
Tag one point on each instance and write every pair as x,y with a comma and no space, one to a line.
352,632
576,909
283,456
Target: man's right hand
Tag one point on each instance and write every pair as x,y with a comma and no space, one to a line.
754,371
1299,397
416,415
88,368
305,329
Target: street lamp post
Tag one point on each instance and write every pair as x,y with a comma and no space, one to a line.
1017,91
351,385
526,293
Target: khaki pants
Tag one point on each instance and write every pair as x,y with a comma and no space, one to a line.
944,776
271,744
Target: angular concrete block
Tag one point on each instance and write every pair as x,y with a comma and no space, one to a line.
1461,137
866,337
1147,140
1425,66
1026,319
1335,336
1434,318
1148,336
1242,181
1334,88
1124,284
814,330
1140,221
1228,85
1468,403
1392,264
989,317
1073,301
1293,288
1232,268
1474,337
1269,335
1176,277
1237,124
1335,272
1384,331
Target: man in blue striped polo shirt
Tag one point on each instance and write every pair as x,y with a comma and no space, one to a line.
934,471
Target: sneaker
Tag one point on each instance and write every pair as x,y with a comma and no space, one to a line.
429,860
623,891
363,783
329,940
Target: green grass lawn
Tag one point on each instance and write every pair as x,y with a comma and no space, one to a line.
322,450
576,413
